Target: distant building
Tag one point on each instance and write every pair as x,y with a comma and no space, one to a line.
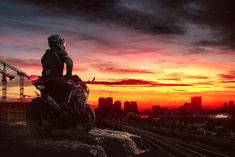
164,110
156,109
134,106
130,106
187,108
196,101
231,103
117,106
105,104
109,104
127,106
101,103
196,104
231,106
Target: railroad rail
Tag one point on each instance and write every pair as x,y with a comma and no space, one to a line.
175,147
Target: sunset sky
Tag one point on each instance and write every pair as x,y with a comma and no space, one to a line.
155,52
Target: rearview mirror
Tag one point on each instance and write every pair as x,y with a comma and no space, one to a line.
91,79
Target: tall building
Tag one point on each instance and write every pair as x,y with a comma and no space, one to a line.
117,106
187,108
231,106
101,103
134,106
196,104
126,106
231,103
130,106
105,104
109,104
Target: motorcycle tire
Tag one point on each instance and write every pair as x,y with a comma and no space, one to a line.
34,118
88,120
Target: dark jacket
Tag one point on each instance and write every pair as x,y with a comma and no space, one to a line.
53,63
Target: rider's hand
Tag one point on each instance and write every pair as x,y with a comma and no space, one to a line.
68,76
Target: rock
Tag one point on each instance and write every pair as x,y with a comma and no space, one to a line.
66,147
17,141
154,153
117,143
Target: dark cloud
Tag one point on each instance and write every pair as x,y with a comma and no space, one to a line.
228,81
204,83
172,79
197,77
118,11
22,62
125,71
110,67
179,90
156,16
229,86
230,76
181,76
135,82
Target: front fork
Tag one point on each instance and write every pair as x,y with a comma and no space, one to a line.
50,101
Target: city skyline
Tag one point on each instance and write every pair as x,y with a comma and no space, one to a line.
195,105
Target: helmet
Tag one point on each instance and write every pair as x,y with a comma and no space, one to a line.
56,41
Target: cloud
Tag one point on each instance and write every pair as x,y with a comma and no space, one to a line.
204,83
179,90
197,77
156,16
172,79
228,81
229,86
125,71
114,11
230,76
22,63
179,76
135,82
111,67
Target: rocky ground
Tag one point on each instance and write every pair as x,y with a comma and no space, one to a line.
16,140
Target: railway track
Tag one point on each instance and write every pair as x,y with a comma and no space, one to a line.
173,147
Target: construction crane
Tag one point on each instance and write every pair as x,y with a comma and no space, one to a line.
4,82
20,73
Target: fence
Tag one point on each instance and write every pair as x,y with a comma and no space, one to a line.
13,112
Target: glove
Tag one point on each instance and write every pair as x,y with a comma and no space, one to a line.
68,76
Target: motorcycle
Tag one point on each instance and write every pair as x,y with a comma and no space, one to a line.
47,112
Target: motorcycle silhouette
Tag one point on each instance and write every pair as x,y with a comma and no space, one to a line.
45,113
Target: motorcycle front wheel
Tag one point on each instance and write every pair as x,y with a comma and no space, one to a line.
87,119
36,119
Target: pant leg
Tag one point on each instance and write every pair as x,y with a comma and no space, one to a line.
58,84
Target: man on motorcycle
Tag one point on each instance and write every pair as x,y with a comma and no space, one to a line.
53,65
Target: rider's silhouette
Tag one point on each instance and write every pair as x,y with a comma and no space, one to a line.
53,65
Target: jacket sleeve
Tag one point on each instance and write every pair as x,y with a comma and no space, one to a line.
43,59
68,61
